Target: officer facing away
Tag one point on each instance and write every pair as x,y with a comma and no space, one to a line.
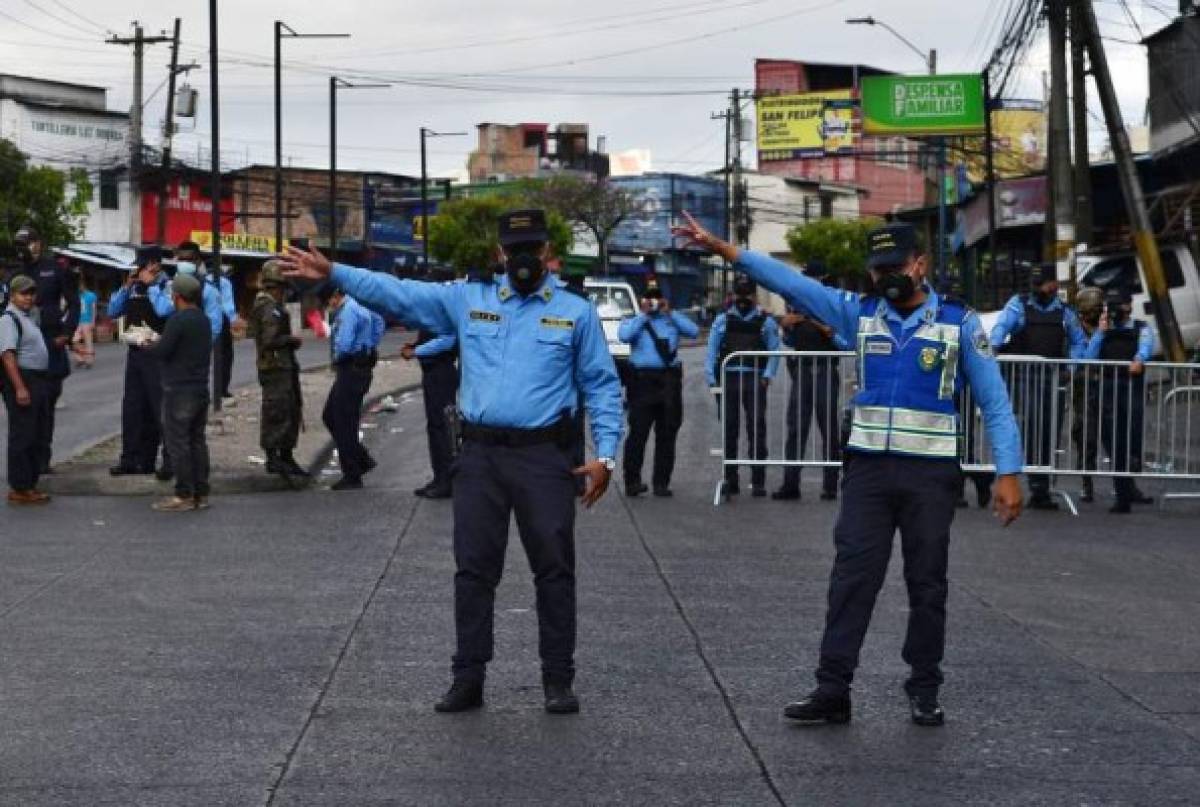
1121,338
815,388
901,466
655,388
278,373
145,301
354,345
58,317
527,349
744,327
1039,324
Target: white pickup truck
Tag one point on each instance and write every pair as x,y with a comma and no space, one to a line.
615,300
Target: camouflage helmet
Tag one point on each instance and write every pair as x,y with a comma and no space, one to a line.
272,274
1089,302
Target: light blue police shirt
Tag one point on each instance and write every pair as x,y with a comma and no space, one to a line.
1145,348
717,334
525,360
436,346
160,299
1012,321
353,330
840,310
644,355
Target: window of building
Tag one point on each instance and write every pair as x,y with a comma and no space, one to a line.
110,193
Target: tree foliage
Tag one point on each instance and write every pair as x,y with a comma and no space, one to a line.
464,233
840,244
37,196
596,204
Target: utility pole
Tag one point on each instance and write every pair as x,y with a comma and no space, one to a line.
1079,125
215,179
139,40
1131,188
989,150
169,134
1061,193
728,204
741,218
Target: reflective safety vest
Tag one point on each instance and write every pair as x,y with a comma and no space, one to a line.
907,386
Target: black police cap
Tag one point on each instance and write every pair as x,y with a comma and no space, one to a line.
1043,273
148,255
744,286
892,245
523,227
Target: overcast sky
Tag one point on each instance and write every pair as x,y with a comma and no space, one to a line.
606,64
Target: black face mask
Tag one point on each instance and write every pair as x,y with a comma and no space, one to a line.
525,272
1044,298
744,305
895,286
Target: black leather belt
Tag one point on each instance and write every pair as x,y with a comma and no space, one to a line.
515,438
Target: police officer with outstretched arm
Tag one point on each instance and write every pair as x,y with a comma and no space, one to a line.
1039,324
528,348
915,352
655,389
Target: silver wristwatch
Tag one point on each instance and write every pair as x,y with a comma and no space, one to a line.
608,462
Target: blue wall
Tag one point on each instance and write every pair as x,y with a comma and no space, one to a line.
663,196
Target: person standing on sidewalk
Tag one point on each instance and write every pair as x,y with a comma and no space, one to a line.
655,389
278,374
354,348
25,359
744,327
528,349
439,387
84,342
145,302
184,352
915,352
58,316
1039,324
815,386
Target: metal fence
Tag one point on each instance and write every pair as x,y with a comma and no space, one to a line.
1076,418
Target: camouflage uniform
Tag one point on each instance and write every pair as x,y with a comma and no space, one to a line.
278,372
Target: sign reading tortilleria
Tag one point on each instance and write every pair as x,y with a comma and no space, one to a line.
815,124
244,241
923,105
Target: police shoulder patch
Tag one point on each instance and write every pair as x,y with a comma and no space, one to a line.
556,322
484,316
983,345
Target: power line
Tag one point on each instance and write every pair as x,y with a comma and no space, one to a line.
72,25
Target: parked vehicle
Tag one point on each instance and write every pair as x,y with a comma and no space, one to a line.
615,300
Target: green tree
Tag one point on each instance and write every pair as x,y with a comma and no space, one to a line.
840,244
464,232
596,204
37,196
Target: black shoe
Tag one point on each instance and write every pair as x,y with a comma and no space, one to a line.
925,710
1042,501
347,483
226,394
786,494
663,492
758,492
635,489
1137,498
293,468
560,700
984,496
164,474
370,464
818,708
731,489
436,492
1121,508
829,495
462,696
421,490
125,470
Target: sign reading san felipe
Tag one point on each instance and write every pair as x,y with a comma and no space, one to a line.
923,105
792,127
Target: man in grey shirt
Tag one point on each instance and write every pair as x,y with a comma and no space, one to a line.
25,358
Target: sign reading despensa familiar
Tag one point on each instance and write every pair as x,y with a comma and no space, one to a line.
923,105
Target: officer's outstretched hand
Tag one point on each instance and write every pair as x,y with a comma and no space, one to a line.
1006,498
696,236
597,477
305,265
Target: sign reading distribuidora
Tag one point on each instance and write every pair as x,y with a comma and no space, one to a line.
923,105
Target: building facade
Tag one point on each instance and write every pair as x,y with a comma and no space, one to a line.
517,151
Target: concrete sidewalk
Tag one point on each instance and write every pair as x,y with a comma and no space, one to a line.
233,440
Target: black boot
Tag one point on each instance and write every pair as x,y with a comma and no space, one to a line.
462,696
289,462
274,464
818,708
635,488
560,700
925,709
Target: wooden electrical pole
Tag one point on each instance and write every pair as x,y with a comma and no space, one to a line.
1062,231
1079,126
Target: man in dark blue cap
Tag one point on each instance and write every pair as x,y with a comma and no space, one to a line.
916,352
145,302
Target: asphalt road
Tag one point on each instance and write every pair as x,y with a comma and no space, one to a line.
90,407
286,649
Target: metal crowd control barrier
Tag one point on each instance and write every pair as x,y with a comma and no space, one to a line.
1076,418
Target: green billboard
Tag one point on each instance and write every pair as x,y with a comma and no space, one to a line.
923,105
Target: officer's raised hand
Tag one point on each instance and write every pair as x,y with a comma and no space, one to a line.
305,265
1006,498
697,236
598,476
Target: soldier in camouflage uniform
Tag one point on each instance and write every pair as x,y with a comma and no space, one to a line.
1085,428
278,373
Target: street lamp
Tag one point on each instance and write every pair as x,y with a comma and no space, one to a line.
334,84
282,31
425,190
930,60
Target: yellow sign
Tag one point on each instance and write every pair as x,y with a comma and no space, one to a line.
813,124
1018,140
243,241
418,226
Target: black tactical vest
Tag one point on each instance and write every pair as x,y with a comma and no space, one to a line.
742,335
1122,344
1044,334
140,311
808,337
